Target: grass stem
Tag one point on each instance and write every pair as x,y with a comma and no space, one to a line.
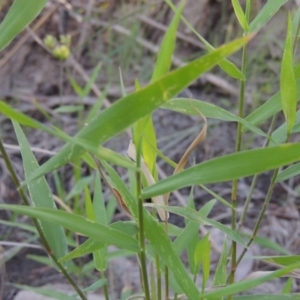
158,277
255,177
141,224
239,135
237,149
105,289
166,268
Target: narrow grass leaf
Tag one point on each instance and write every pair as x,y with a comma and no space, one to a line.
240,15
202,257
225,64
100,256
121,115
87,247
280,260
18,116
95,109
68,109
79,187
173,230
269,108
191,229
96,285
166,49
245,285
187,106
262,241
288,173
92,245
20,14
194,235
144,129
99,151
288,286
22,226
268,297
157,238
296,21
41,196
114,158
280,134
44,291
220,276
197,217
288,84
221,199
149,180
78,224
88,87
266,13
89,211
228,167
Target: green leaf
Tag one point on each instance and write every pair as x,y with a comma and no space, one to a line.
288,85
280,260
216,196
79,224
114,158
249,284
202,257
68,109
121,114
269,108
192,234
268,297
265,14
288,173
225,64
220,276
100,152
240,15
145,129
287,288
164,56
187,106
262,241
198,217
191,229
79,187
20,14
280,134
89,211
228,167
19,117
41,196
45,292
100,256
92,245
96,285
95,109
86,247
92,80
157,238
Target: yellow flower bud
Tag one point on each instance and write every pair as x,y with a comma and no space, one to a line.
65,40
61,52
50,41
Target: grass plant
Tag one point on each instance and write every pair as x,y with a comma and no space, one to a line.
148,234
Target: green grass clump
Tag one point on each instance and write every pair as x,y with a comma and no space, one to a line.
147,235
